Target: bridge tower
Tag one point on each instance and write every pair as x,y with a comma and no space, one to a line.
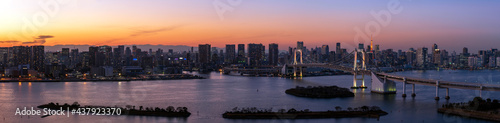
295,62
355,69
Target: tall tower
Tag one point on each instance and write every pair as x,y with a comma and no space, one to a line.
371,44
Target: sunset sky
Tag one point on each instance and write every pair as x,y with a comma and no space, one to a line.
452,24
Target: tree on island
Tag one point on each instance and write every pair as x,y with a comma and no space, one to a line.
281,110
365,108
338,108
170,109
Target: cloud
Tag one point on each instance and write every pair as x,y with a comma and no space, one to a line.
12,41
39,40
142,32
45,36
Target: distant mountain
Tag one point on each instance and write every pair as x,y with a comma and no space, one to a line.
176,48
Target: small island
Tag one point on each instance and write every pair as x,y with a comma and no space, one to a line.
320,92
170,111
477,108
254,113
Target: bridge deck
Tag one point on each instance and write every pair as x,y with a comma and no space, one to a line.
442,84
411,80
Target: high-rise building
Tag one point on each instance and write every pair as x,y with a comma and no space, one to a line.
64,57
134,50
325,49
117,57
325,53
230,53
492,62
434,47
74,57
5,52
22,55
38,58
498,61
121,49
128,52
107,55
410,57
361,47
241,54
255,54
338,51
422,57
170,51
93,51
65,52
273,54
338,48
241,50
436,57
465,51
204,53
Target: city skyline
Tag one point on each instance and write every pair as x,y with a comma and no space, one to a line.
418,24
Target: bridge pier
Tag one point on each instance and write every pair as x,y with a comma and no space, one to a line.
363,77
413,91
437,91
447,94
481,91
354,81
300,70
404,87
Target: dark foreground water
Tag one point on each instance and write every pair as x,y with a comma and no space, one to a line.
207,99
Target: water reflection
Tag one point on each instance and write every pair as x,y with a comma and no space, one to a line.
207,99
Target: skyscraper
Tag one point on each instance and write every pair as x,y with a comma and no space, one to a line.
434,47
465,51
117,57
65,52
38,58
422,57
338,48
107,55
134,50
121,49
255,53
230,53
273,54
74,56
325,49
325,53
22,55
241,53
128,52
204,53
361,47
92,55
338,51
